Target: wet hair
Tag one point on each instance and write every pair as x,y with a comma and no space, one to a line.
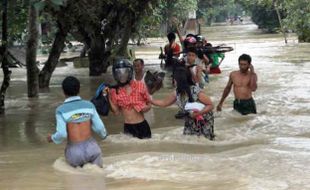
71,86
192,50
245,57
190,35
184,80
140,60
171,37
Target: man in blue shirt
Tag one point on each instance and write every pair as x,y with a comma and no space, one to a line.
75,119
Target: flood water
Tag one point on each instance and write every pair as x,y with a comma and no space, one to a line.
270,150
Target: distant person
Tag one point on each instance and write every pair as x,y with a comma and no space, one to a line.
139,73
172,49
153,81
172,52
215,61
131,99
76,118
196,67
244,83
197,107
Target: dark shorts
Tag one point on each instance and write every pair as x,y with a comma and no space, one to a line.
245,106
140,130
79,154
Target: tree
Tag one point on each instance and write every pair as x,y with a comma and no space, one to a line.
263,14
298,18
104,26
31,53
3,56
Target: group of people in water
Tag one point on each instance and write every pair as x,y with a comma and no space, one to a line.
132,98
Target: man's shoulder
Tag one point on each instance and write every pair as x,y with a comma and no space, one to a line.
74,105
234,73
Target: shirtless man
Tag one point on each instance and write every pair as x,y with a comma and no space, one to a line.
244,83
138,65
130,98
75,119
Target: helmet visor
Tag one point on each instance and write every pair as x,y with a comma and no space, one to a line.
122,74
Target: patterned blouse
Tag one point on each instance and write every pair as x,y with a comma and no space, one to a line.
137,99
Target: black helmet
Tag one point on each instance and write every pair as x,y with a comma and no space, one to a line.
122,71
200,38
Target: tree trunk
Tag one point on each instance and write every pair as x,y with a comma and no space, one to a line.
122,50
96,56
51,63
84,50
280,20
4,53
31,54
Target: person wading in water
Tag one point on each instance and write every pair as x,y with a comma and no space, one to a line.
244,83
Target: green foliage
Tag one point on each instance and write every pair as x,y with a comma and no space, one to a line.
18,17
295,15
298,18
218,11
266,18
162,14
177,8
263,14
17,20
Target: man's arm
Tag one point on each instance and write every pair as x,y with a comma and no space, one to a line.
253,79
97,125
61,130
222,56
225,93
175,23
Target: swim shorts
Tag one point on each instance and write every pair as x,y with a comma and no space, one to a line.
245,106
140,130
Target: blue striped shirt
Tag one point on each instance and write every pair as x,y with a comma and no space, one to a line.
76,110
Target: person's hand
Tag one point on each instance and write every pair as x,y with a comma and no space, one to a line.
251,68
49,138
219,107
146,108
194,114
105,91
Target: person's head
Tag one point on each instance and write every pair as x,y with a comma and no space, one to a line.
190,35
138,65
244,62
71,86
190,42
191,55
171,37
122,71
183,80
200,41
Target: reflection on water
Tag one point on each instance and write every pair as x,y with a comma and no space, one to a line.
269,150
